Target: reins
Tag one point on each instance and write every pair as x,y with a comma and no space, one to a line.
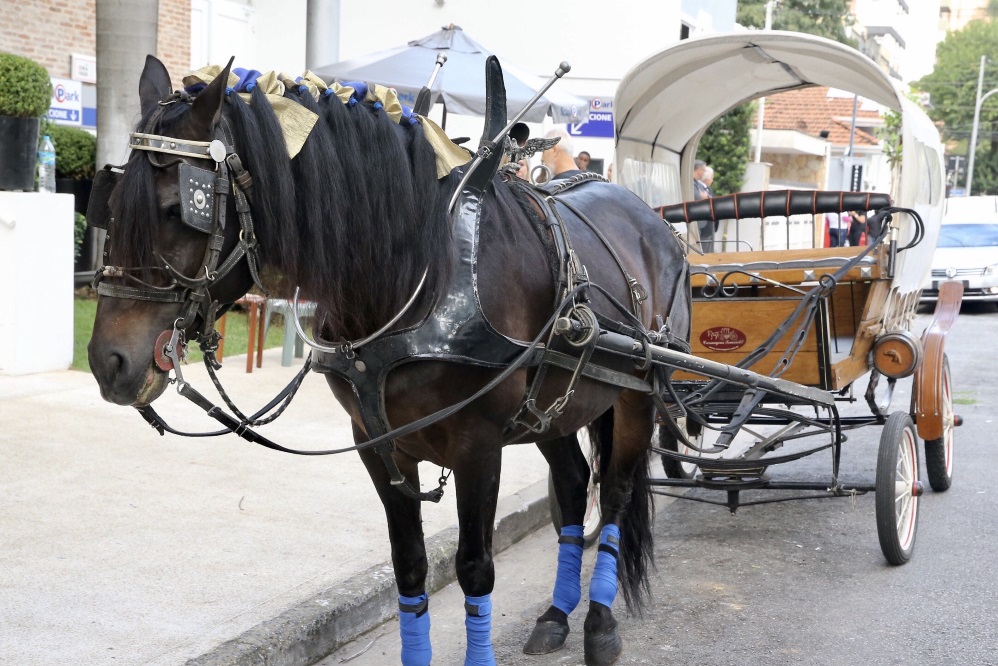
243,427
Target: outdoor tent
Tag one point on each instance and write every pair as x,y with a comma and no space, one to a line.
460,85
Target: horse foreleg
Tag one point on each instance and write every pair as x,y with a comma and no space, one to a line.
476,478
570,475
405,530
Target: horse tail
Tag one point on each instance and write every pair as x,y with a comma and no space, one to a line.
636,543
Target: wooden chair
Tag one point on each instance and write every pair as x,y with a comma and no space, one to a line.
256,310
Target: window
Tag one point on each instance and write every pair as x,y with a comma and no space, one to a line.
968,235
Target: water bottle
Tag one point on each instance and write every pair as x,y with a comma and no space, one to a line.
46,166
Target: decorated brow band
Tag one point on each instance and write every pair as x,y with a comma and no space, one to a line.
297,122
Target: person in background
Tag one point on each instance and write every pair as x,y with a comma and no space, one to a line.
609,172
857,227
873,229
558,157
708,181
836,230
699,189
583,160
702,191
524,170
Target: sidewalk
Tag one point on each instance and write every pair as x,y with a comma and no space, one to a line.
119,546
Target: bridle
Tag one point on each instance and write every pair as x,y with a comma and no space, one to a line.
204,199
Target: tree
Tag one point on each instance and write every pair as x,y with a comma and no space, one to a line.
952,88
725,147
825,18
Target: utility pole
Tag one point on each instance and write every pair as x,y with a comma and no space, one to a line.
977,117
770,4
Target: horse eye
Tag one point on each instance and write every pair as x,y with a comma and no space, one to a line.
174,212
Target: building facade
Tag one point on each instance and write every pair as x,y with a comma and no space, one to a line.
899,35
59,34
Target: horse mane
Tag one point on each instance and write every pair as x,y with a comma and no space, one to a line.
353,220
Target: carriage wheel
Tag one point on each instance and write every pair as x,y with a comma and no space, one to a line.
898,488
676,469
939,452
592,522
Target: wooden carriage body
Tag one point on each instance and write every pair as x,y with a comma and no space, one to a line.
662,109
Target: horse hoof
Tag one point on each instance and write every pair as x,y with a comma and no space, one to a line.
603,647
546,637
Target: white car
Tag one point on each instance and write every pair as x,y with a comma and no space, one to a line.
967,249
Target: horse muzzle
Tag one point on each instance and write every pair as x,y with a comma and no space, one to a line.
123,381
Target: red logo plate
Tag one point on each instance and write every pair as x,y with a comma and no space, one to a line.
722,338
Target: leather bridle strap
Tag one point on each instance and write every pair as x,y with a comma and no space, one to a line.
200,150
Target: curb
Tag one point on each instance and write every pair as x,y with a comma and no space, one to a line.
317,627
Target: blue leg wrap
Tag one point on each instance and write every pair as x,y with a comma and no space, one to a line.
568,582
603,587
414,629
478,623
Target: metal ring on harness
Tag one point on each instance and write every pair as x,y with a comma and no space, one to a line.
352,345
545,171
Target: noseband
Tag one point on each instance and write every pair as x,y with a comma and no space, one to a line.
204,197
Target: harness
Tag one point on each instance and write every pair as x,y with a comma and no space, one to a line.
455,328
204,203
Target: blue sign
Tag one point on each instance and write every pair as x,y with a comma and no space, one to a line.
65,115
600,123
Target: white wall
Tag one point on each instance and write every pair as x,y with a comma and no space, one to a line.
36,269
280,35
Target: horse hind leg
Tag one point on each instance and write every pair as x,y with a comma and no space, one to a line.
625,547
570,476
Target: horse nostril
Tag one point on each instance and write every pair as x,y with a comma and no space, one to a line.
115,364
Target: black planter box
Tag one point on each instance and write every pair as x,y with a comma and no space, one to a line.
18,152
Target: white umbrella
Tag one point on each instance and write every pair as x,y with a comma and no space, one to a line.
460,85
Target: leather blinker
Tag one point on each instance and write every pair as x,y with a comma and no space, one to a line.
197,197
99,209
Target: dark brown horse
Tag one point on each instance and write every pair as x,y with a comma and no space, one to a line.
356,219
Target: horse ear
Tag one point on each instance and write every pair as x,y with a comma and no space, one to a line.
154,84
207,108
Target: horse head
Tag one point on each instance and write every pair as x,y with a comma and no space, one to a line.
171,260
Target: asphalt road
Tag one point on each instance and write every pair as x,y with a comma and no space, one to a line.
799,582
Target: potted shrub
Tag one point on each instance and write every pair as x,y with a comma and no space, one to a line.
25,95
75,166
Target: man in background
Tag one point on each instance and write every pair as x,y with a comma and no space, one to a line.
558,157
583,160
701,191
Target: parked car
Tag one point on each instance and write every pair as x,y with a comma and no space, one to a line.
967,249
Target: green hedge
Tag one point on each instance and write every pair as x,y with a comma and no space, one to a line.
75,152
25,87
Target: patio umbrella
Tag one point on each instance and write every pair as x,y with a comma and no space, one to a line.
460,85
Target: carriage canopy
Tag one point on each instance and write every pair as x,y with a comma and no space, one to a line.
665,103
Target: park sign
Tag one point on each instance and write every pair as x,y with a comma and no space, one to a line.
66,107
600,123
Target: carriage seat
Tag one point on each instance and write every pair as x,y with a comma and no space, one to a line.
786,266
